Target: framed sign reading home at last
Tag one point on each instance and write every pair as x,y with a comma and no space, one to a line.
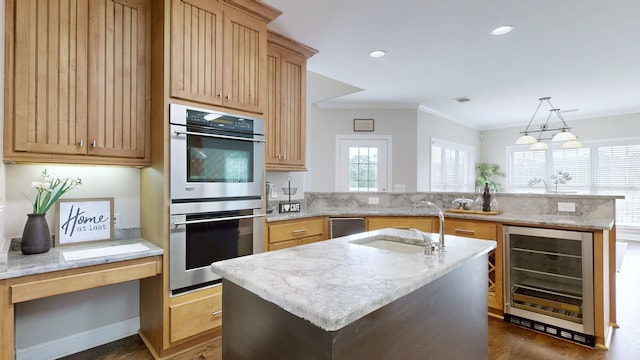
83,220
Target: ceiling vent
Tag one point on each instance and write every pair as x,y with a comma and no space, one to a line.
463,99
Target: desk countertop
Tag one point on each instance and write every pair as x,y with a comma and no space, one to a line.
59,258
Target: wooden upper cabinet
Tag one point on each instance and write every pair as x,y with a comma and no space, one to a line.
77,81
196,51
218,55
46,104
118,87
286,105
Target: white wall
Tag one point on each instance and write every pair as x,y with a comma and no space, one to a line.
324,124
494,142
123,184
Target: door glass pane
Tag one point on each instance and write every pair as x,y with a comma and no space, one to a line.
363,169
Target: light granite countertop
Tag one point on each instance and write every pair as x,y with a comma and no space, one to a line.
335,282
581,222
61,258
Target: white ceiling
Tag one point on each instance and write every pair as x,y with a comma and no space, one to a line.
584,54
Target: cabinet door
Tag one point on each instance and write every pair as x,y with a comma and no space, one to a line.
118,80
196,51
285,113
49,77
487,231
273,108
245,48
293,74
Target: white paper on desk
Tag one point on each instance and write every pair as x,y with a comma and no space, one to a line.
103,251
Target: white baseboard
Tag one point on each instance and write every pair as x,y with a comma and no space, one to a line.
79,342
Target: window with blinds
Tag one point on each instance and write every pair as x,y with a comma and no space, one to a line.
452,166
599,167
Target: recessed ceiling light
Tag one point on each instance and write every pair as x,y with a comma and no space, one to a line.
501,30
377,53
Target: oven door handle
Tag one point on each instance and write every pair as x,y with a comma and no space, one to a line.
217,219
218,136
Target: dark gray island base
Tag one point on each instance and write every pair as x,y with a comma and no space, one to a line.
444,319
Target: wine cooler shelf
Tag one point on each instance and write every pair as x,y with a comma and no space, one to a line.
547,303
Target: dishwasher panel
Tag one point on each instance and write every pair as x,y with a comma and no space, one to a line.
345,226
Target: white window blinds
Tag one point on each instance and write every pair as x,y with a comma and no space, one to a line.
599,167
452,166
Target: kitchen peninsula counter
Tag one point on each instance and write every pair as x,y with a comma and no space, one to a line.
581,222
332,287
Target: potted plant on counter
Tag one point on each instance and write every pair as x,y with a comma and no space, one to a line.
485,174
36,237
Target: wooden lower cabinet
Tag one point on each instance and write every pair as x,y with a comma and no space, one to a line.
195,313
288,233
422,223
488,231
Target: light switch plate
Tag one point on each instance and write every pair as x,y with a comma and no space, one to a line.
374,200
567,207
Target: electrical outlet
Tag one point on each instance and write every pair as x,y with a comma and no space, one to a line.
374,200
567,207
116,220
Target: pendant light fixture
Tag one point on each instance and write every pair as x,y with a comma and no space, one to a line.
560,133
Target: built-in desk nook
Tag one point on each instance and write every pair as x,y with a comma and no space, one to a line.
68,269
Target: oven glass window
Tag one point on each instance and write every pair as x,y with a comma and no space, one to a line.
213,159
208,242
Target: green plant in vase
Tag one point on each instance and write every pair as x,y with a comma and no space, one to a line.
36,237
485,174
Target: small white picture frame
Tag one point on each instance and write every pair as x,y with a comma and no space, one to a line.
362,124
79,221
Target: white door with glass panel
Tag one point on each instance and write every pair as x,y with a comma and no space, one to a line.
362,163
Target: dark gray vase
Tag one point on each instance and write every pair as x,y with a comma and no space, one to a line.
36,238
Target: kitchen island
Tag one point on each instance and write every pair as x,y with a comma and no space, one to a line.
342,299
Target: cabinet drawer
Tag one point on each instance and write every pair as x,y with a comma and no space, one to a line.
296,230
417,222
470,228
295,242
195,313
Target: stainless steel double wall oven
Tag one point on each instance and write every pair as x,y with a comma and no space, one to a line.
217,185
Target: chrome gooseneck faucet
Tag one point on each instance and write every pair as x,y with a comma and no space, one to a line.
425,203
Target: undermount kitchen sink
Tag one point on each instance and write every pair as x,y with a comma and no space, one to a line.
409,245
395,246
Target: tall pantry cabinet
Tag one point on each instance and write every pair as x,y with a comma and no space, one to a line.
209,54
77,81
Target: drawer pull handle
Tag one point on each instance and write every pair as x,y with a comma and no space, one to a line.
216,313
464,231
300,231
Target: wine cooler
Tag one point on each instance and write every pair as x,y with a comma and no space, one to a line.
548,282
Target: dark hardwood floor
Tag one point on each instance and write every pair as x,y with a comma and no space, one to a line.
506,341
